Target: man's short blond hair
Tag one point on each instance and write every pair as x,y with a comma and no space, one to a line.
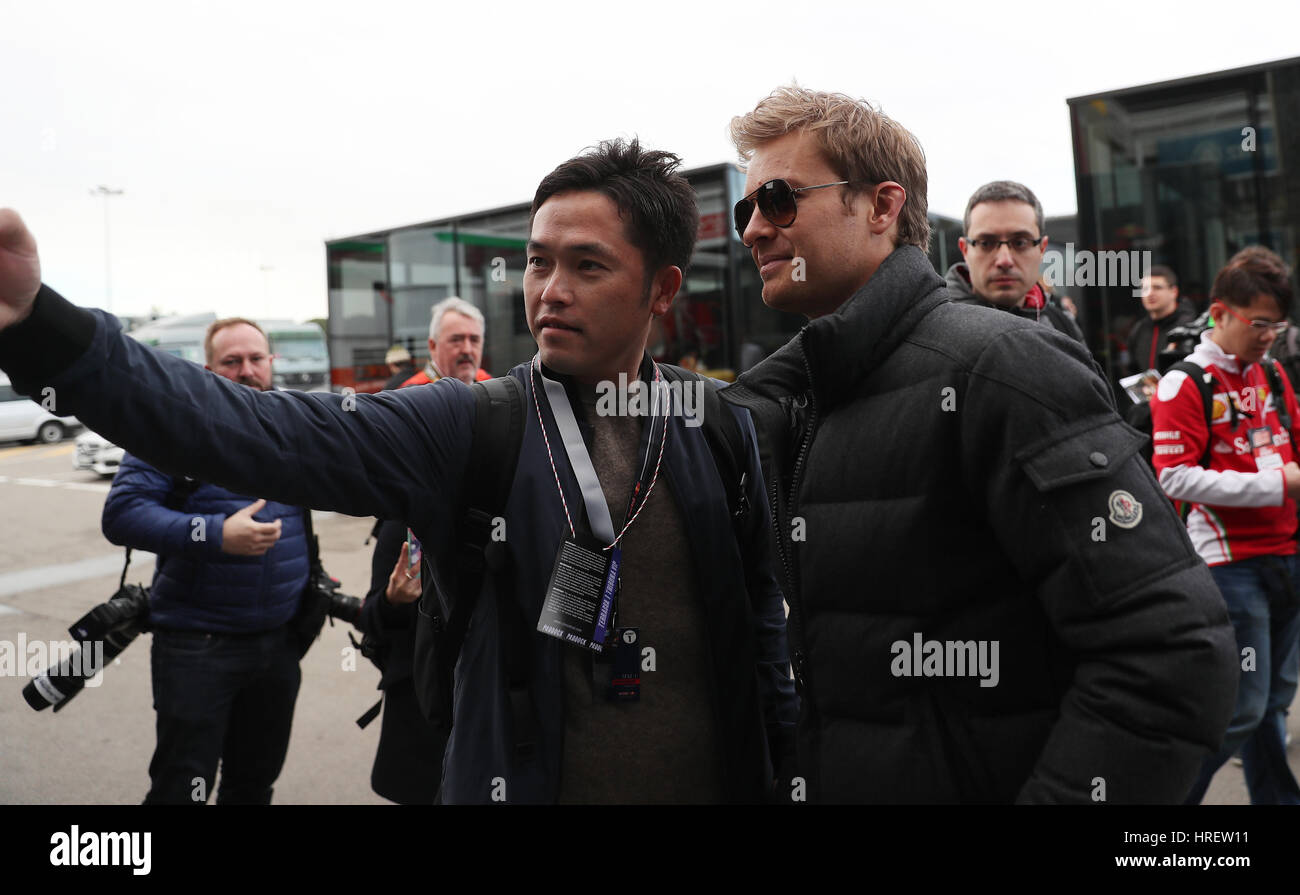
218,325
860,142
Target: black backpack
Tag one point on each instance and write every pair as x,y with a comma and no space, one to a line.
443,618
1139,415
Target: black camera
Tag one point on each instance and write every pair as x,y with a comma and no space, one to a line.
340,606
321,599
1182,341
103,633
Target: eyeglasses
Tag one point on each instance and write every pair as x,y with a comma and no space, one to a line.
1017,243
775,199
1259,326
238,361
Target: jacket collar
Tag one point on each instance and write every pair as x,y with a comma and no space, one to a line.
1033,304
781,374
1208,352
844,347
1168,318
958,282
848,345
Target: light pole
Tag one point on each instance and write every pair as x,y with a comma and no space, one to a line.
266,296
108,274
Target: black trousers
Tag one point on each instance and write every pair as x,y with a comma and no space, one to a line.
224,698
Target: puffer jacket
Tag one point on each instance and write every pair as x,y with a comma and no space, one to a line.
196,586
950,473
1051,313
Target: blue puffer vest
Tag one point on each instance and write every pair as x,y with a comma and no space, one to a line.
197,587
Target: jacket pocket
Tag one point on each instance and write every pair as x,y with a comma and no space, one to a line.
1101,525
1091,449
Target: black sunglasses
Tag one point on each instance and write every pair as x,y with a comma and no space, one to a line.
775,199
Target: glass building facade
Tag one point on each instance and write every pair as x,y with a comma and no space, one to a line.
1191,171
382,286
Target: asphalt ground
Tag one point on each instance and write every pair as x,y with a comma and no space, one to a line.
55,565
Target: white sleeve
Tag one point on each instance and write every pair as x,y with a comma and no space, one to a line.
1224,488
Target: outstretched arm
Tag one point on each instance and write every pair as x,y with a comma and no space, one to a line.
397,455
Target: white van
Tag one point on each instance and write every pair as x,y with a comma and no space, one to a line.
301,355
22,418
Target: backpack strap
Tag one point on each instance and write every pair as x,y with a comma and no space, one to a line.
1205,385
443,619
498,437
726,444
1274,376
313,545
494,454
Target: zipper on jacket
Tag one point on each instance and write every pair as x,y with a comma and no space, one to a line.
798,660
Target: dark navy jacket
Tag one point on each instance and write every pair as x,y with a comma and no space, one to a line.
403,455
196,586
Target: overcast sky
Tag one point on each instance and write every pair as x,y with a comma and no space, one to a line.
246,134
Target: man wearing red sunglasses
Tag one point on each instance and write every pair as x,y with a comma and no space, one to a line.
1239,477
951,488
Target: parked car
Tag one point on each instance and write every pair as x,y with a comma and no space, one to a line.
22,418
96,452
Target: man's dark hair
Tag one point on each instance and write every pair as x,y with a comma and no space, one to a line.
1166,273
1003,191
656,204
1250,272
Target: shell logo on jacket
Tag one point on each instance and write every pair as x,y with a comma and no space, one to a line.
1238,503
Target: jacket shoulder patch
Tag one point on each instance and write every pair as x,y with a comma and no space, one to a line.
1125,509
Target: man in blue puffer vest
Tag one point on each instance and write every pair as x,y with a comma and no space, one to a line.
230,572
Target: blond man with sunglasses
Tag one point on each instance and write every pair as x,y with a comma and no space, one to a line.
990,599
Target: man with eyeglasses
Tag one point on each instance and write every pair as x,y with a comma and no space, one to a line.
1238,475
990,599
1003,248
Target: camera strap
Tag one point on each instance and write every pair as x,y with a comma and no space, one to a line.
175,500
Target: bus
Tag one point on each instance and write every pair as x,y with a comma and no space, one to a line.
181,335
302,359
301,354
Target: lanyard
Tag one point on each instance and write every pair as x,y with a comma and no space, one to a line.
593,495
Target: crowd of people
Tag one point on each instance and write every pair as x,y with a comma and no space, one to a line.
915,555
